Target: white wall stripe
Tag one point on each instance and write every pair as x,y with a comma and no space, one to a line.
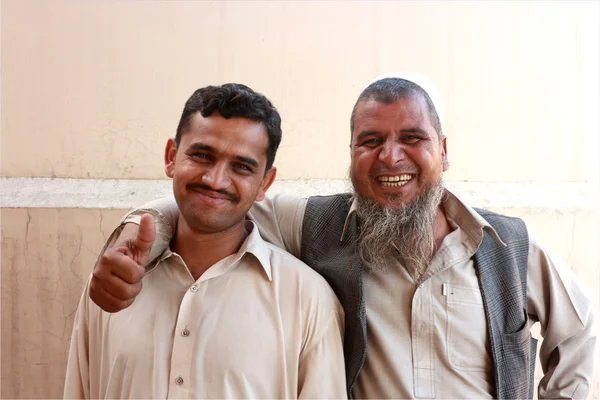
127,193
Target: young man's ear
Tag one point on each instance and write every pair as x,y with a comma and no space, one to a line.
170,152
266,183
445,163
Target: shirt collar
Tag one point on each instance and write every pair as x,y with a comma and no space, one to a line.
464,216
254,244
457,211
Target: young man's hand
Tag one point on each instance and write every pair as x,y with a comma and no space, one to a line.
117,277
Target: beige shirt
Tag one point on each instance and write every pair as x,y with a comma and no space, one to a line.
429,339
257,324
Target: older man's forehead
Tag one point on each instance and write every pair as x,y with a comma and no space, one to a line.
411,109
424,82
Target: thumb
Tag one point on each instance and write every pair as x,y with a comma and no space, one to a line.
145,238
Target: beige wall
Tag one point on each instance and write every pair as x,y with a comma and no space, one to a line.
47,254
106,80
93,89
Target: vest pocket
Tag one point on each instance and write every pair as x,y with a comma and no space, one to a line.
467,340
518,357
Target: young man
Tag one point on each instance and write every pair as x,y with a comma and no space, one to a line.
223,314
442,295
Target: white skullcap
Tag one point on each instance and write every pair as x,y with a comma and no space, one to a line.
425,83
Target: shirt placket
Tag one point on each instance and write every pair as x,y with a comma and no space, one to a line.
180,378
422,343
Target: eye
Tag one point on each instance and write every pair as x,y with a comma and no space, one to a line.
201,156
411,139
242,168
372,142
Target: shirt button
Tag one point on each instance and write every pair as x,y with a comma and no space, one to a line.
185,333
194,288
179,380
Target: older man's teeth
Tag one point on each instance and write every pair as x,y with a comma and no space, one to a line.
394,181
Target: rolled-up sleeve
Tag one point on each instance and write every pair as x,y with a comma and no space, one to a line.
165,213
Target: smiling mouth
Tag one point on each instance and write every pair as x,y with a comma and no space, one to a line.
394,181
215,196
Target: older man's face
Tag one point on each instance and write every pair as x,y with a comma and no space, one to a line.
396,153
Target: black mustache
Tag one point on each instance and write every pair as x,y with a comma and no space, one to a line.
207,188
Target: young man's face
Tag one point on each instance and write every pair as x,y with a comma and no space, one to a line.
218,170
396,153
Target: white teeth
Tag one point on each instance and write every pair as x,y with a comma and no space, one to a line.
394,181
394,184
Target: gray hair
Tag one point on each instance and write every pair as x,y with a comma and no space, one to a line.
389,90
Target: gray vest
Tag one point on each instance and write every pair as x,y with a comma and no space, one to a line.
501,271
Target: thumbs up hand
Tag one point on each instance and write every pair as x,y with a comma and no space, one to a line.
118,274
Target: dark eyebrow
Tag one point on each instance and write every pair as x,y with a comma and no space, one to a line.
210,149
247,160
202,146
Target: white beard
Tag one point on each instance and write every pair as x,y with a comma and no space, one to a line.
404,233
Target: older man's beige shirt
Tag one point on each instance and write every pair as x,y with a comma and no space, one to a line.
428,339
257,324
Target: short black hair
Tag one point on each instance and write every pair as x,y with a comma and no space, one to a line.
234,100
389,90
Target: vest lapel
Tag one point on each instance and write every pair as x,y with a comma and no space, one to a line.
502,275
356,301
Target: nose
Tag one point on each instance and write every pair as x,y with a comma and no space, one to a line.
391,153
216,177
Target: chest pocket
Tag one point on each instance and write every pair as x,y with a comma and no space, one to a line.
467,337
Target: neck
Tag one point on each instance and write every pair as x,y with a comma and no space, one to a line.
200,250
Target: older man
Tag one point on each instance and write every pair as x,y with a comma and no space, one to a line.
223,314
442,295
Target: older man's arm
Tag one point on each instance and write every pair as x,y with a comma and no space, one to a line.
279,220
565,311
117,277
165,213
